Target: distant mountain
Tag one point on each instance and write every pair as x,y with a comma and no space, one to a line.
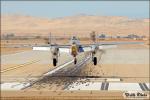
81,24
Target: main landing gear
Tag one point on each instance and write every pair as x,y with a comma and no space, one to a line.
94,59
54,62
55,53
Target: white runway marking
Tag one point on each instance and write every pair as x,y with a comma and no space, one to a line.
58,68
86,86
148,85
64,65
110,86
13,86
113,79
124,86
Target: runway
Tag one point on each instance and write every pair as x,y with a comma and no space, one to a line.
31,70
63,69
19,66
100,86
109,86
28,64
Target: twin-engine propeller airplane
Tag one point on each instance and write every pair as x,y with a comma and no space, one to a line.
76,48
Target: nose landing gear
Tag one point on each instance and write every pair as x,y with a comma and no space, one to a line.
75,60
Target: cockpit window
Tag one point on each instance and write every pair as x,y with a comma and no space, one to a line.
74,38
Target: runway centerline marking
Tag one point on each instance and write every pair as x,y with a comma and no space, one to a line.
52,72
19,66
58,68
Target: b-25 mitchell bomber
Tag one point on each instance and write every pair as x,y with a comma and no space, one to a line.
75,48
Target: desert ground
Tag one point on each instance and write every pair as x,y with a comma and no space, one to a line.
74,25
129,63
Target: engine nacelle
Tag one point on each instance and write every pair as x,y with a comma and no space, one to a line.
55,52
94,49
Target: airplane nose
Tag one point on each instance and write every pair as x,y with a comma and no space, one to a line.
74,50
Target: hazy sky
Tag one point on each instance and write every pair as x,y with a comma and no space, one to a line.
54,9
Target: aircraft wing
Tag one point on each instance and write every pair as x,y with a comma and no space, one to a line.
106,45
114,43
42,48
84,47
62,48
92,47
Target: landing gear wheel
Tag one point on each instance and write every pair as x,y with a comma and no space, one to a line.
95,60
75,61
54,62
